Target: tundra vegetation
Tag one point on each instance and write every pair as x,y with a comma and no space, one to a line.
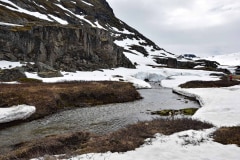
55,97
66,95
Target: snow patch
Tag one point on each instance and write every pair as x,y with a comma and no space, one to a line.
232,59
219,105
89,4
186,145
21,10
19,112
10,24
9,65
59,20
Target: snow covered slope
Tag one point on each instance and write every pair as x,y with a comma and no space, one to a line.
232,59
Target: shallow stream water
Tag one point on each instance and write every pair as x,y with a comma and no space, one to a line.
99,119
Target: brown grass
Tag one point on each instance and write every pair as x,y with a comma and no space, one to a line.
209,84
122,140
52,145
228,135
50,98
134,135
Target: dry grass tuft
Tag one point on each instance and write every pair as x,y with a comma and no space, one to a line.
228,135
209,84
134,135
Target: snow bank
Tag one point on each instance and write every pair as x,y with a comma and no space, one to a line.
220,106
175,147
10,24
16,113
9,65
232,59
169,77
137,83
174,81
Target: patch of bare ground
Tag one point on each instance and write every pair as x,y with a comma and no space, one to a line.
123,140
228,135
209,84
54,97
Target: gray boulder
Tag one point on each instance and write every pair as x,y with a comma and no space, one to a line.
14,74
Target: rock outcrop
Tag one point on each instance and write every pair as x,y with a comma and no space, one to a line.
65,35
8,75
61,47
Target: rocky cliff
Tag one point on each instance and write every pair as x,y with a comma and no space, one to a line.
62,34
67,35
62,47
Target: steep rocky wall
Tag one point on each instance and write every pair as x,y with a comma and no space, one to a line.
62,47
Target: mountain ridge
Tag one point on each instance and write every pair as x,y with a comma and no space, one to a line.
96,18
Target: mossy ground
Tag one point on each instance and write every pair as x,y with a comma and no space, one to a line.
167,112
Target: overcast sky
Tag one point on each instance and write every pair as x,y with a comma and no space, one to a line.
201,27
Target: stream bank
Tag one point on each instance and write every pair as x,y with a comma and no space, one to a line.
99,120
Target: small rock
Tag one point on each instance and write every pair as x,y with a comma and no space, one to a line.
50,74
48,157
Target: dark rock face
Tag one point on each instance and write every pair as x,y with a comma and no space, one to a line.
68,35
65,48
237,71
176,63
75,46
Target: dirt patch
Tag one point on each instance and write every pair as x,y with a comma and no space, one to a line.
51,98
209,84
123,140
227,135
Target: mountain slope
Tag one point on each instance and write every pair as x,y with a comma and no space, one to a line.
232,59
71,35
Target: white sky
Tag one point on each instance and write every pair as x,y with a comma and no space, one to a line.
202,27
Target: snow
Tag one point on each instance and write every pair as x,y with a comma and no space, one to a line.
168,77
89,4
232,59
139,58
59,20
220,106
16,113
174,147
10,24
173,81
99,26
19,9
76,15
9,65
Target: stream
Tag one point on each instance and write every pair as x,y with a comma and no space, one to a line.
98,119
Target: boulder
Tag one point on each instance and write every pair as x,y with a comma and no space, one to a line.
50,74
14,74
